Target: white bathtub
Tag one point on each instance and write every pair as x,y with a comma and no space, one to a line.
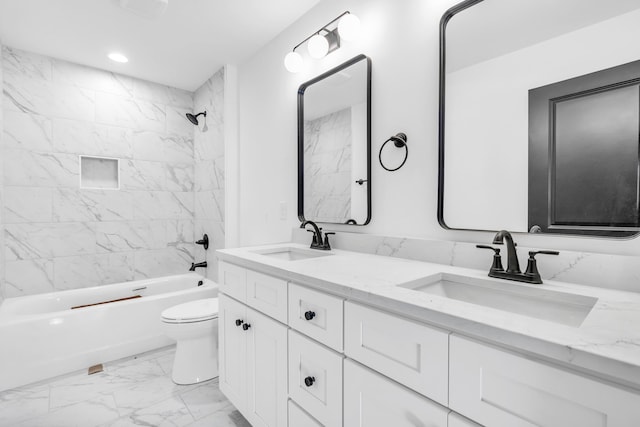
42,337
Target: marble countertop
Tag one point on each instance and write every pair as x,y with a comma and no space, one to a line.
606,344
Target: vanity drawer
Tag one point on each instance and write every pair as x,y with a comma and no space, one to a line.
232,280
373,400
299,418
457,420
324,313
413,354
267,294
497,388
315,379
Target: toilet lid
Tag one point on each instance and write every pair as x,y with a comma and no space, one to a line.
194,311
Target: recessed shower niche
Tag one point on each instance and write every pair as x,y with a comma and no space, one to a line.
99,173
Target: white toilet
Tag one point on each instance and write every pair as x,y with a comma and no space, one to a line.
194,325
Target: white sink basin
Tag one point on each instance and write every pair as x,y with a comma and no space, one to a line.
537,302
292,254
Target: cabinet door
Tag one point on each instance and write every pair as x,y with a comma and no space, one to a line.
498,388
267,294
411,353
232,350
315,379
266,371
299,418
232,280
373,400
457,420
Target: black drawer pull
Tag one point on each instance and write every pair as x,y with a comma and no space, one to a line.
246,326
239,322
309,315
309,381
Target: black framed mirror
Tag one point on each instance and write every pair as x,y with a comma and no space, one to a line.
334,145
539,118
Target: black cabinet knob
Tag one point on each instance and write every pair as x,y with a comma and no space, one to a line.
246,326
309,381
309,315
239,322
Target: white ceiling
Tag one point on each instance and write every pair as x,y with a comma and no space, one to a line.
181,48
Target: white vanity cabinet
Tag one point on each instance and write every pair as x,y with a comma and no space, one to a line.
292,355
373,400
315,379
299,418
498,388
253,352
411,353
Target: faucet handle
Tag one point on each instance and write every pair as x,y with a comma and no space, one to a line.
496,250
497,260
534,253
326,239
532,265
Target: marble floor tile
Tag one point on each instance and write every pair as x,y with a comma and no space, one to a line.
134,391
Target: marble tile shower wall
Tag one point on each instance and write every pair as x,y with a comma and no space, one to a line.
209,169
1,190
328,165
58,236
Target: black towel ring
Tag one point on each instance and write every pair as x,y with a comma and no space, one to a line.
399,140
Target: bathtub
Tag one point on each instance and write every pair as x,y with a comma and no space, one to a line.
41,336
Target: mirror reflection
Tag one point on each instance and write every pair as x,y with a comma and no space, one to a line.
334,145
523,83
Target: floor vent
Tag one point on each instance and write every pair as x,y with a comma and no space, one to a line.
95,369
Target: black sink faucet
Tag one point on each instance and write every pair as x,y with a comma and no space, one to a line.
317,242
513,267
198,265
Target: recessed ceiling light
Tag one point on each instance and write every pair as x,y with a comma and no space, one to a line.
118,57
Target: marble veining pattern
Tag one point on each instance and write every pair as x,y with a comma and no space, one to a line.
592,269
209,170
327,159
135,391
606,343
58,236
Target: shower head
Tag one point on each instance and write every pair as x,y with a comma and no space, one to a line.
194,119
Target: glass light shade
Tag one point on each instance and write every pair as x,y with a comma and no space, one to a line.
293,62
318,46
349,27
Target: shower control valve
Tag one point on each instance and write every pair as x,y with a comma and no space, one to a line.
204,242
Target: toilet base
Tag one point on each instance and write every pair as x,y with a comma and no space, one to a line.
196,360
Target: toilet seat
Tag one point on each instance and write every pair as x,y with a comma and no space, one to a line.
193,311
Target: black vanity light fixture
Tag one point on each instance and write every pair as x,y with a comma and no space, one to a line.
325,40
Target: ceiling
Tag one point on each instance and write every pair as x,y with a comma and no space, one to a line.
182,48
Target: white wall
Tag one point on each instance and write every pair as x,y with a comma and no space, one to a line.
401,37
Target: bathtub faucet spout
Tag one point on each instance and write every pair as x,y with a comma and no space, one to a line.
200,264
